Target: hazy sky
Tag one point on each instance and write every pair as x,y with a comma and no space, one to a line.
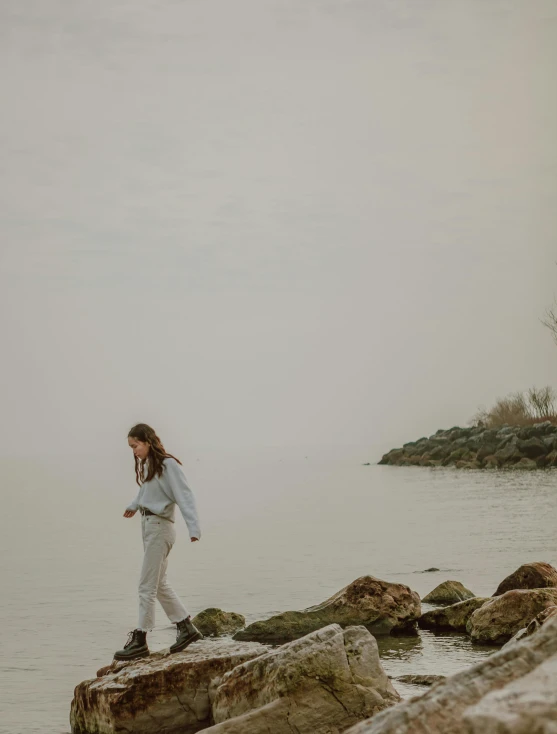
291,223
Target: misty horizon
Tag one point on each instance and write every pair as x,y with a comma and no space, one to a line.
337,230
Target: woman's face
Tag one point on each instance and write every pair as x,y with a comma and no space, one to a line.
139,448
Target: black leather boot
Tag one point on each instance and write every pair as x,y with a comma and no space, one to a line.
185,635
135,647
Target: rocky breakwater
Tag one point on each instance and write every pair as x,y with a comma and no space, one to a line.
514,447
320,684
513,691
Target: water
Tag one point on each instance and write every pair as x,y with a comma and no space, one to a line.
280,532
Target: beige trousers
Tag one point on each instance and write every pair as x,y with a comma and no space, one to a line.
159,536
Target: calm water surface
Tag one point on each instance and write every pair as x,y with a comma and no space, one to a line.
279,533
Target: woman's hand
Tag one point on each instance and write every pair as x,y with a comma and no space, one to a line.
129,513
194,539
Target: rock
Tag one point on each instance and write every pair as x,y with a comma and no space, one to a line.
550,442
322,683
456,455
431,570
474,443
454,617
510,451
534,625
449,592
440,452
525,433
160,693
527,464
420,680
536,575
503,616
545,427
447,707
532,448
490,462
541,619
527,706
392,457
438,440
552,459
380,606
214,622
467,465
520,635
485,451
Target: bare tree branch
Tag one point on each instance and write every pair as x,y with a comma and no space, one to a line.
551,320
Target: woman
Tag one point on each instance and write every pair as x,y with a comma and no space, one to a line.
162,485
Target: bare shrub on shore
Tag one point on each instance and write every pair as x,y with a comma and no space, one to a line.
551,320
520,409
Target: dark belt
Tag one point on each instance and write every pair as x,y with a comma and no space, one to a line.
145,511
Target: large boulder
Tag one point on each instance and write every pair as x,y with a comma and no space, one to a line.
534,625
163,692
380,606
527,706
322,683
214,622
532,448
449,592
454,617
503,616
508,451
537,575
523,673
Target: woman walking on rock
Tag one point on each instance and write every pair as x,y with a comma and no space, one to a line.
162,486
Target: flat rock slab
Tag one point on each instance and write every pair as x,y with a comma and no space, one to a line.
320,684
503,616
421,680
380,606
449,592
537,575
161,693
493,693
454,617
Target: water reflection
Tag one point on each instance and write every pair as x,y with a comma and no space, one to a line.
429,653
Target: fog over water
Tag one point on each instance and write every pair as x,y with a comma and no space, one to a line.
272,223
273,229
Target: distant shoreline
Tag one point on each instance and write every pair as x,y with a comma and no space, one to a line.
506,447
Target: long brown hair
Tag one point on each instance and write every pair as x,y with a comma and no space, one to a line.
157,453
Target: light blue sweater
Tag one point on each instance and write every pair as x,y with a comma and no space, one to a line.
161,494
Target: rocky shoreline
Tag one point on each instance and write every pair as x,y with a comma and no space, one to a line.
508,447
328,677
